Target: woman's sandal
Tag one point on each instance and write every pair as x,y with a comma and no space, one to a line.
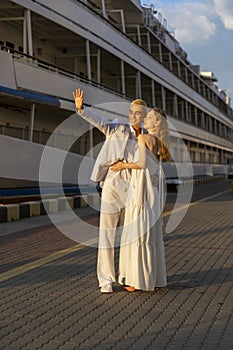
130,288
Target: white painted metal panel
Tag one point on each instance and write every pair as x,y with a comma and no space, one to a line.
7,77
31,77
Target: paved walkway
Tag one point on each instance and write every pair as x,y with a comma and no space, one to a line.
50,297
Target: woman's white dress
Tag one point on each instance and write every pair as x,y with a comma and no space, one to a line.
142,255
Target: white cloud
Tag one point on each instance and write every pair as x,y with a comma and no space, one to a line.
224,8
194,28
191,22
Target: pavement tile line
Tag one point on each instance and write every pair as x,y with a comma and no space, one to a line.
195,203
37,263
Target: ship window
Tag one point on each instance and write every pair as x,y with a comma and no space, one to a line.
20,49
10,46
180,107
170,103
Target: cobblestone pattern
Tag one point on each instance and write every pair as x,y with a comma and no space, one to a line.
59,306
26,246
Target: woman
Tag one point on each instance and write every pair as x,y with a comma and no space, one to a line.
142,257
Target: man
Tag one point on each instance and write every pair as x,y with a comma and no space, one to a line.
119,145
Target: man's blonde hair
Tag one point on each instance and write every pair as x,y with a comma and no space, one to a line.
139,102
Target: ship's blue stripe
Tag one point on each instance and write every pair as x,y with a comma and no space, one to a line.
14,192
30,96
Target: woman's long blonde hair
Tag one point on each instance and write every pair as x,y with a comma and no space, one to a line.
163,134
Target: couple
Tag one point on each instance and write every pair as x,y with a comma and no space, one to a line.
128,165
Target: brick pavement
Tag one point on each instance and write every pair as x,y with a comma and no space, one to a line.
58,305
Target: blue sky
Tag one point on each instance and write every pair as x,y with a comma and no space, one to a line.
205,31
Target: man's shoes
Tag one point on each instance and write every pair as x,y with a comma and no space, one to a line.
107,288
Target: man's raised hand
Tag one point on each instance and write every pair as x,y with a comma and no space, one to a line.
78,99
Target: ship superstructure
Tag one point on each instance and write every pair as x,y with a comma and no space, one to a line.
115,51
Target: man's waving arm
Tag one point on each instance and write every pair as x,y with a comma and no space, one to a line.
91,117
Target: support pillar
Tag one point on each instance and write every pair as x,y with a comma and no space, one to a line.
98,67
88,57
138,85
25,46
103,9
29,32
148,42
175,106
139,35
91,141
122,77
31,126
123,21
153,92
163,91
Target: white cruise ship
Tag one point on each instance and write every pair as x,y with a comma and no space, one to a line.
115,51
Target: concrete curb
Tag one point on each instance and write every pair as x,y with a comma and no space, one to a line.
13,212
176,183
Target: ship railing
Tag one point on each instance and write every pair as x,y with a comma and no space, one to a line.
63,140
42,136
31,60
61,71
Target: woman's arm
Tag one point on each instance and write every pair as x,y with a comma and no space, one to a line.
121,166
141,164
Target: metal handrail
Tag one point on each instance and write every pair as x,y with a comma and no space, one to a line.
43,64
